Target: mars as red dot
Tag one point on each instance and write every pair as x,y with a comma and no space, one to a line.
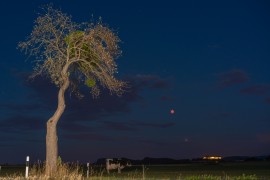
172,111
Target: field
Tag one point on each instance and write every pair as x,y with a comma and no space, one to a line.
236,170
260,169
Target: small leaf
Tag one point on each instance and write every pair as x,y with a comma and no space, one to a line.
90,82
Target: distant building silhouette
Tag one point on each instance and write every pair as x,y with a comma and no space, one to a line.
215,158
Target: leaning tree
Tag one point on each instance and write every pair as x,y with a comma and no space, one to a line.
71,55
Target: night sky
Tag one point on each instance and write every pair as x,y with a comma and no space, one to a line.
207,60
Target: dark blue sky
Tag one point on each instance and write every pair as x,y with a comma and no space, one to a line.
207,60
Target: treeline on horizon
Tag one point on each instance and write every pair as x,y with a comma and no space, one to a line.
153,161
156,161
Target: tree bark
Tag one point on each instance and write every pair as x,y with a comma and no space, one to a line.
51,136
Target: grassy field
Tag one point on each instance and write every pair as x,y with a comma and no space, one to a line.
260,169
239,170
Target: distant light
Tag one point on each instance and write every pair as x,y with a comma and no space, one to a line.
172,111
212,157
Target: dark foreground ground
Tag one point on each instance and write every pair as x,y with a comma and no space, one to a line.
260,169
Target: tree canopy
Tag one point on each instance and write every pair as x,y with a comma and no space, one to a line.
88,50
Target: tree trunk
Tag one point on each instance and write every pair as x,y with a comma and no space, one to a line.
51,148
51,136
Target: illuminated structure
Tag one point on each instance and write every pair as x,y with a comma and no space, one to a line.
215,158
